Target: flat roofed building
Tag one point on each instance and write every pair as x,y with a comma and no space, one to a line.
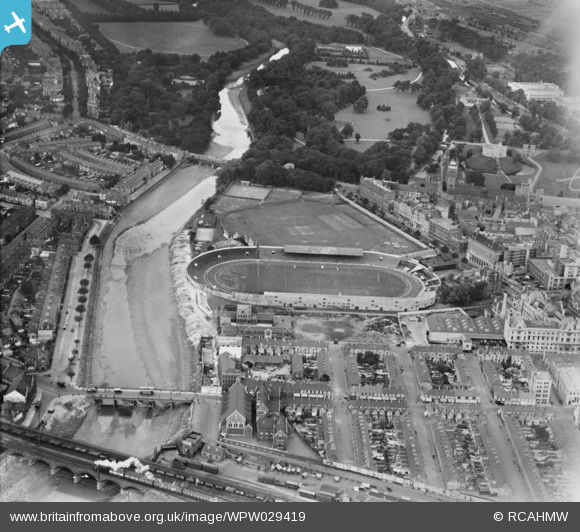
455,327
541,386
565,372
554,274
538,91
484,252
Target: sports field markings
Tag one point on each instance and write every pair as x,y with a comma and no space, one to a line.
217,277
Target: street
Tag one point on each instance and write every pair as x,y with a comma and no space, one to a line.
342,414
498,434
427,450
70,334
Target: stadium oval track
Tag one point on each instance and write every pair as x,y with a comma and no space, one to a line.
294,277
316,277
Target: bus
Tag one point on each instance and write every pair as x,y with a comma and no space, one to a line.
146,390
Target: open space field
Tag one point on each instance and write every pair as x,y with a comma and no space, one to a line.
477,161
244,192
317,224
254,276
338,15
150,4
168,37
243,197
375,125
558,177
86,6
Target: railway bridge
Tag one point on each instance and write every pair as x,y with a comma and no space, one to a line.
84,460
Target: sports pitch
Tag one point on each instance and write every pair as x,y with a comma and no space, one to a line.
317,224
254,276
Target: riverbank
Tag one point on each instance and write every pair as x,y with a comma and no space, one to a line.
254,63
138,336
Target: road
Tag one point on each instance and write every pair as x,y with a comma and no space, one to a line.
74,76
540,169
405,25
427,450
342,415
205,418
70,334
497,433
135,394
484,129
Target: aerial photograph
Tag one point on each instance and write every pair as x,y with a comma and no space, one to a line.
290,251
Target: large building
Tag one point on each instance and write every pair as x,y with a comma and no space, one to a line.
538,91
298,277
518,253
449,173
556,273
237,411
485,253
565,373
376,192
444,230
499,253
495,151
456,327
552,335
541,386
271,425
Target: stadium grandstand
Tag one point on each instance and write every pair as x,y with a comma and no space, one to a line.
302,277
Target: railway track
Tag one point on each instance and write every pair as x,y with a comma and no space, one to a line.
190,483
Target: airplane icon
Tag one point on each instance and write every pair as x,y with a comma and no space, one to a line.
18,22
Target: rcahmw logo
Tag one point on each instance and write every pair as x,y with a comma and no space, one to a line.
538,516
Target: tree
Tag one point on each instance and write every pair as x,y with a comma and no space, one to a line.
88,265
475,177
361,104
82,299
67,110
80,309
444,249
63,190
89,257
83,290
95,241
78,318
27,289
357,137
84,282
347,131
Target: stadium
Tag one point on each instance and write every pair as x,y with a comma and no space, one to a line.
302,277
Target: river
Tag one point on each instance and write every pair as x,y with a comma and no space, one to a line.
231,128
137,329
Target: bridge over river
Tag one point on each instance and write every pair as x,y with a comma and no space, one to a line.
111,396
84,460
